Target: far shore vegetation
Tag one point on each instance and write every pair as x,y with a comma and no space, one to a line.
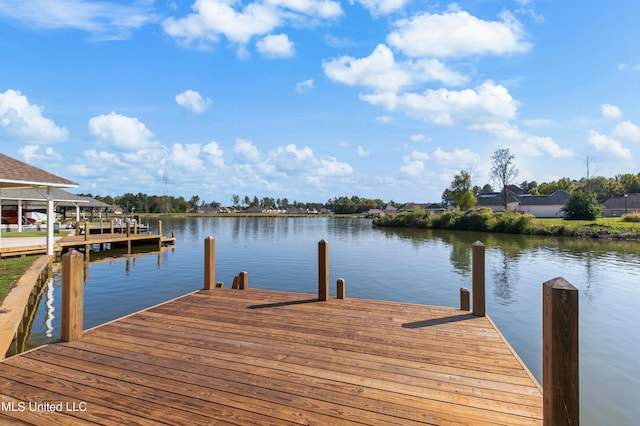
509,222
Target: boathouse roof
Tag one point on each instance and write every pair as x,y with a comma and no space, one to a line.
16,174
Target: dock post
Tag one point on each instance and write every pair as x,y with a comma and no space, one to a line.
323,270
209,263
72,293
160,228
135,227
86,231
478,279
244,280
111,227
340,288
464,299
560,368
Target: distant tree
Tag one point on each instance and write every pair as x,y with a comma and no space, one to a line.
530,187
246,201
194,203
460,191
235,200
503,171
581,206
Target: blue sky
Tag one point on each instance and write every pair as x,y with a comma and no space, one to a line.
311,99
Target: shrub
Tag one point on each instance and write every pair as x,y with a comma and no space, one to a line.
581,206
631,217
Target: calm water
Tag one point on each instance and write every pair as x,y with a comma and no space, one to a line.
415,266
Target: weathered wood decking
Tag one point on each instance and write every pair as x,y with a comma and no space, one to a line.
261,357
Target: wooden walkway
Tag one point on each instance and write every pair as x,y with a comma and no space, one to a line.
271,358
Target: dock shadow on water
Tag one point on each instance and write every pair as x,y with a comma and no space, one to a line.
439,321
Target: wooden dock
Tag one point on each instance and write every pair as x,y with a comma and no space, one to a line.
228,356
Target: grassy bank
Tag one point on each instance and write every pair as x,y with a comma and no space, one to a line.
10,272
513,223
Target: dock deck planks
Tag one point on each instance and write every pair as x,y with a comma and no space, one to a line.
263,357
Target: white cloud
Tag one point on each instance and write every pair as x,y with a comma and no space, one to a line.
33,154
611,112
414,164
122,132
276,46
104,19
531,145
246,150
627,131
319,8
290,158
383,7
213,154
331,167
212,18
381,73
609,145
186,157
362,152
305,86
192,100
25,121
458,34
458,158
487,103
417,138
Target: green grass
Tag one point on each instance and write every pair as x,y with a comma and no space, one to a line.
10,272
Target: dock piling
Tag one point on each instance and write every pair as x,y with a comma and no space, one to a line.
244,280
72,295
340,288
323,270
464,299
478,279
209,263
560,363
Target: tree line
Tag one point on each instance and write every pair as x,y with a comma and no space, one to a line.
143,203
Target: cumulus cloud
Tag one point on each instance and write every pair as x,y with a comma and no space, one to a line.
276,46
608,145
103,19
414,164
290,158
381,73
246,150
627,131
331,167
214,154
36,154
384,119
418,138
305,86
458,158
214,18
383,7
192,100
458,34
186,157
24,121
611,112
487,103
122,132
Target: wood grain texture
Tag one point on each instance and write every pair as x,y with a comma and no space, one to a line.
263,357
